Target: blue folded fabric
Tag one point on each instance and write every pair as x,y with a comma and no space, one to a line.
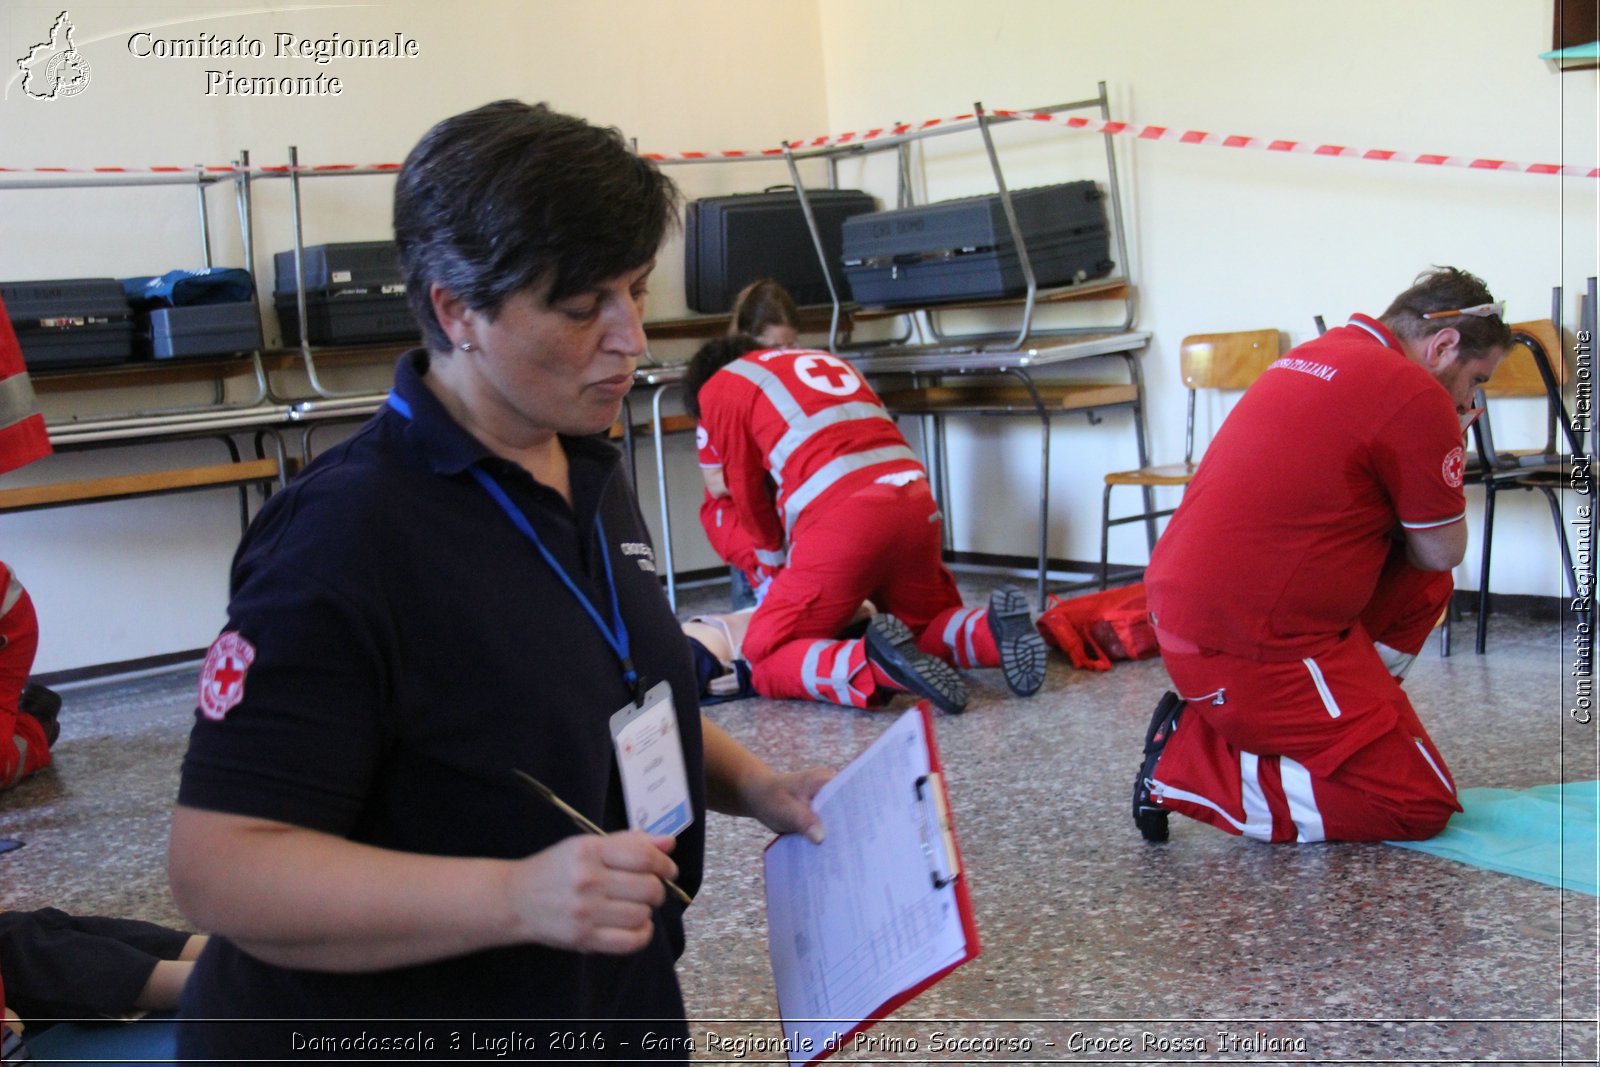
150,1040
1550,833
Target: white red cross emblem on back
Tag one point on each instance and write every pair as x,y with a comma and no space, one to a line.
827,374
222,677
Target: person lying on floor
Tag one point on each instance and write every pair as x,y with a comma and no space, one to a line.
851,518
55,966
1302,573
717,642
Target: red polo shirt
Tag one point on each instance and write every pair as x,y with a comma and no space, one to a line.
1279,541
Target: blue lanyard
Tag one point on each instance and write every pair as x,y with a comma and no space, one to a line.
616,634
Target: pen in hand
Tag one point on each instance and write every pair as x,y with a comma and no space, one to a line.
582,821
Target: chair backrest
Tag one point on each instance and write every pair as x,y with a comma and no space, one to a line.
1518,374
1226,360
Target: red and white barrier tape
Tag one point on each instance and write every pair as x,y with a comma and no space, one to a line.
1143,133
1382,155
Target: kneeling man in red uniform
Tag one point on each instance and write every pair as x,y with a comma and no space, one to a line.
1302,573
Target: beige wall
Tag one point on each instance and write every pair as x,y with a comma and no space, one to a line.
115,582
1231,239
1220,239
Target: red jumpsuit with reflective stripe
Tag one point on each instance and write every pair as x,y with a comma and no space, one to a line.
1286,607
23,439
22,434
852,519
23,748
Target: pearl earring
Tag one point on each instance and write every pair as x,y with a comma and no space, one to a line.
466,346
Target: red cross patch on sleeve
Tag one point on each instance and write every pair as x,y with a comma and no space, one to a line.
1455,467
222,677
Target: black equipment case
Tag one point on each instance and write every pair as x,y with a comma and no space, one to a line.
200,330
73,322
730,241
962,249
354,294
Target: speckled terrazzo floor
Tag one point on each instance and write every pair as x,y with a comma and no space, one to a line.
1096,946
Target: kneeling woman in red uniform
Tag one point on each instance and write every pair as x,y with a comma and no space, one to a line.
838,511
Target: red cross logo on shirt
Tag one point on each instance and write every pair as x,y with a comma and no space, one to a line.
1454,468
827,374
222,677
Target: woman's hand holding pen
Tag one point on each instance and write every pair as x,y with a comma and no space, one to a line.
592,894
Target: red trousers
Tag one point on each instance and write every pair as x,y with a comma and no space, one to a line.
881,543
23,748
1324,748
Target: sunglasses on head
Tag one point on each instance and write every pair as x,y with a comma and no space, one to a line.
1483,311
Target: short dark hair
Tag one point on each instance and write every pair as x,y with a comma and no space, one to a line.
1445,289
503,197
763,303
712,357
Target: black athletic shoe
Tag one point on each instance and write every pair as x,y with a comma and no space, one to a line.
1150,818
1022,651
42,704
892,648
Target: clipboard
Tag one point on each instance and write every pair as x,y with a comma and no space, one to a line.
880,911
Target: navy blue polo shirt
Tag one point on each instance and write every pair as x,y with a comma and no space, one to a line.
410,648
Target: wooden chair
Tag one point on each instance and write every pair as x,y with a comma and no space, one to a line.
1535,367
1220,361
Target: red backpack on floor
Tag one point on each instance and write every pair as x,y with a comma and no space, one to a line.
1095,629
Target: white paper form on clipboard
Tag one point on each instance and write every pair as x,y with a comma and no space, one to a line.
879,911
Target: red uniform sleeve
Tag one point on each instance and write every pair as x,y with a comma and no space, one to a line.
724,414
1419,459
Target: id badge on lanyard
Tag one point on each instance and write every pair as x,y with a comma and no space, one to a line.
655,781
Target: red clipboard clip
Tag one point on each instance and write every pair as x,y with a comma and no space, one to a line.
938,840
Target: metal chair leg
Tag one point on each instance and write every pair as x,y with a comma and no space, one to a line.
1483,572
1105,534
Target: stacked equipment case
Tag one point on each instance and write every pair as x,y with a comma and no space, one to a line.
72,322
354,294
963,249
195,314
730,241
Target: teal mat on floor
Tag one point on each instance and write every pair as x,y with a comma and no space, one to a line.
1548,833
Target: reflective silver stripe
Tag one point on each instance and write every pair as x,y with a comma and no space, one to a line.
17,401
22,760
830,472
808,669
838,677
801,429
958,636
772,557
777,394
12,594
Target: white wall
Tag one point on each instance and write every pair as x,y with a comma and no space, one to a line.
116,582
1231,239
1221,239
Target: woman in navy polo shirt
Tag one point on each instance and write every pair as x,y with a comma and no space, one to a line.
462,590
